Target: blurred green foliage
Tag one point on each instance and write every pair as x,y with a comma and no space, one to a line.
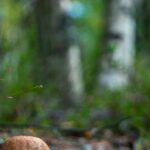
92,40
21,97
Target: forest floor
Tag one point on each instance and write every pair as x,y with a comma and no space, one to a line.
107,141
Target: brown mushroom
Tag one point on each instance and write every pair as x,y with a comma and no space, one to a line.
24,143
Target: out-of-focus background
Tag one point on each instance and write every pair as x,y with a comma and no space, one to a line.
77,64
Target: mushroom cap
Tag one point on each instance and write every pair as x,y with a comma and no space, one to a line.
25,143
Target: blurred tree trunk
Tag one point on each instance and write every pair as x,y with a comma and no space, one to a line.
143,22
74,54
54,43
75,73
118,59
